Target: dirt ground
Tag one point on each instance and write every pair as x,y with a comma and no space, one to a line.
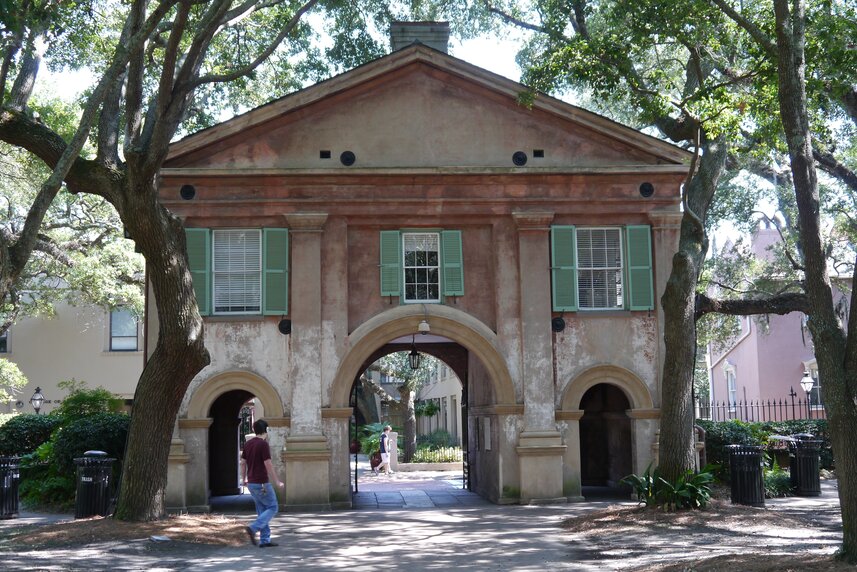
607,531
718,523
200,529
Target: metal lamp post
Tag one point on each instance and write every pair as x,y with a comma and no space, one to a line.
806,383
37,399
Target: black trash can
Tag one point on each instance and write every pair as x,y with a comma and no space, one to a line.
10,477
745,471
805,465
94,484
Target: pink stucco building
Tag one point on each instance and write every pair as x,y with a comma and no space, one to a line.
416,194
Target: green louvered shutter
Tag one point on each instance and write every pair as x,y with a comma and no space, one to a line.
640,288
275,261
563,269
199,260
453,263
391,263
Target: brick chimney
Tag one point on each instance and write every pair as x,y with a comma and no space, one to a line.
433,34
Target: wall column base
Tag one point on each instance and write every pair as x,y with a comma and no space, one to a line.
307,462
540,455
175,496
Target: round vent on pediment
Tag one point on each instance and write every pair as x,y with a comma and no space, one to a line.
347,158
519,158
187,192
647,190
557,324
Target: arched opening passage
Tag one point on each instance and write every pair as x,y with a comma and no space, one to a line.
220,412
428,417
487,384
605,437
225,433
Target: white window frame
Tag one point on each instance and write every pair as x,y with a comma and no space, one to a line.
113,337
249,271
731,386
426,267
605,270
815,396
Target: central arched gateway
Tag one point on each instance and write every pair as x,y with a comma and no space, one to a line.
444,321
491,393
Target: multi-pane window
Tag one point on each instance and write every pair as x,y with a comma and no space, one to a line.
421,256
599,268
815,393
237,271
123,331
731,389
421,266
4,342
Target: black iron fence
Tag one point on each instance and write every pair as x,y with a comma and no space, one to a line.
761,410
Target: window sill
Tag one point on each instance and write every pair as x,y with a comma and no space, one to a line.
238,318
601,313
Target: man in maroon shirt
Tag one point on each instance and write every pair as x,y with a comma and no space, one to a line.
257,472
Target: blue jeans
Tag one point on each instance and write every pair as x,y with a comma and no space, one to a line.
266,508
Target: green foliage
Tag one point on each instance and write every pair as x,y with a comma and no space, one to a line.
85,420
82,242
426,408
83,402
24,433
370,438
437,439
690,491
106,432
720,434
437,455
12,380
777,481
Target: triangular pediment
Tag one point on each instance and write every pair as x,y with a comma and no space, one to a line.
420,109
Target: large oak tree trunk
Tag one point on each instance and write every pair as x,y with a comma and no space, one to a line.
836,355
410,437
178,356
676,446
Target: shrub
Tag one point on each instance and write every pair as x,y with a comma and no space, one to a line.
43,484
370,438
24,433
102,432
83,402
691,490
438,455
777,482
437,440
720,434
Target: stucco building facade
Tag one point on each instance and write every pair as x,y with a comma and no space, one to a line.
83,342
325,227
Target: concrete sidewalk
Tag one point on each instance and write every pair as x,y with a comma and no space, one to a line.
486,537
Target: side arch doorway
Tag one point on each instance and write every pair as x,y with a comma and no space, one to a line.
226,438
605,439
220,416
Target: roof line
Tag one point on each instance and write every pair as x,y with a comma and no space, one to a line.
422,53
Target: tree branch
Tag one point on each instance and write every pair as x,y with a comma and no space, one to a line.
241,72
780,304
832,166
376,389
757,34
